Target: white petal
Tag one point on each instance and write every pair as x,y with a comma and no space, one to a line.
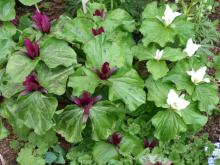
158,54
172,97
84,3
191,48
169,15
176,102
182,104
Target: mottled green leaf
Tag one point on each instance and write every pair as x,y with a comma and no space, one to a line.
168,124
158,69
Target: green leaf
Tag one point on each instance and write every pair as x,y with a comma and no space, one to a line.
207,95
150,11
29,2
131,145
7,11
36,111
6,47
178,75
55,52
26,157
88,77
158,69
99,51
78,29
69,123
7,30
19,66
127,86
103,152
157,92
3,131
171,54
50,157
54,80
153,29
103,116
9,89
184,29
116,18
193,118
168,124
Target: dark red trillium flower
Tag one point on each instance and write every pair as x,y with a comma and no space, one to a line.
32,48
115,139
99,13
41,22
86,101
105,72
98,31
31,84
158,163
15,21
1,98
150,144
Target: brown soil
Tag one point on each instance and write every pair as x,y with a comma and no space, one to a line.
7,153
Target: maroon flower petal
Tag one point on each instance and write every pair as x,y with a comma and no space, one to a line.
31,84
98,31
99,13
86,101
1,98
105,72
15,21
115,139
32,48
42,22
150,144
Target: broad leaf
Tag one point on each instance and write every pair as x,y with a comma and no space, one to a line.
7,30
103,117
56,52
117,18
184,29
178,75
29,2
127,86
69,123
7,11
78,29
6,47
151,11
19,66
192,117
157,92
168,124
130,145
158,69
54,80
99,51
207,95
171,54
103,152
3,131
88,77
36,111
153,29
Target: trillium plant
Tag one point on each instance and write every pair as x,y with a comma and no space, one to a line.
78,78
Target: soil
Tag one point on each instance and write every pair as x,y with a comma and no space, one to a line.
54,8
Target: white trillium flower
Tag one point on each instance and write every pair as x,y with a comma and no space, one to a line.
84,5
175,101
158,54
191,48
170,15
198,76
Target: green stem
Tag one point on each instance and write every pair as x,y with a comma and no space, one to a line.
112,4
37,8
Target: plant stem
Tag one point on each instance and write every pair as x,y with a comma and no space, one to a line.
37,8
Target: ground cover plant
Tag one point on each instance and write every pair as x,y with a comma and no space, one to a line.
78,78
